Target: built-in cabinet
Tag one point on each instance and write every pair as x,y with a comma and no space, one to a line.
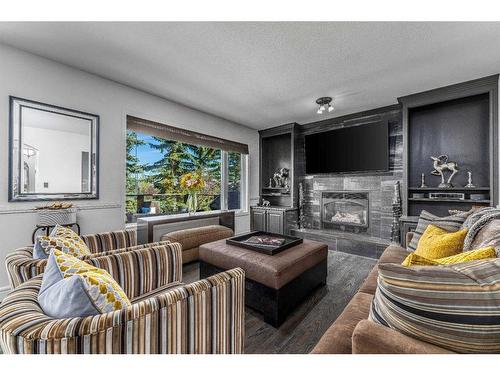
280,220
258,219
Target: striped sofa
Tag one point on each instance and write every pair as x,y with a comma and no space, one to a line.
21,266
166,316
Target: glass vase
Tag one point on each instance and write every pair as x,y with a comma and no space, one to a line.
192,203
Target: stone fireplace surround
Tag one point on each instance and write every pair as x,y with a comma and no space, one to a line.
368,241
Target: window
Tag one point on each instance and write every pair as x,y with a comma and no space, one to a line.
155,166
234,181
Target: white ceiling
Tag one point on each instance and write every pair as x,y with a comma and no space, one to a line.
266,74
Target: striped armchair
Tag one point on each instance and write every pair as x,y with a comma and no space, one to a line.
21,266
206,316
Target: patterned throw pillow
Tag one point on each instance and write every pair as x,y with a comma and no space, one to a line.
73,288
467,256
65,232
456,307
63,239
450,223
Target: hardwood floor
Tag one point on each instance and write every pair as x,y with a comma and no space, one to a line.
305,326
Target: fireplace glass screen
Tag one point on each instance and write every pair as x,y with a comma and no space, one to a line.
344,209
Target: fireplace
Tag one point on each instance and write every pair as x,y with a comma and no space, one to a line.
345,210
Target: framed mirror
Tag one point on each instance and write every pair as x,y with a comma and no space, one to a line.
53,152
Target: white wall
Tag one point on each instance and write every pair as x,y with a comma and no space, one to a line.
32,77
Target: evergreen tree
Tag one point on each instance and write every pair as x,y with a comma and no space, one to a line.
134,168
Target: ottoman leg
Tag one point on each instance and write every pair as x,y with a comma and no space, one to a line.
273,317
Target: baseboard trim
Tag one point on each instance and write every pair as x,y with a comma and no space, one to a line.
4,290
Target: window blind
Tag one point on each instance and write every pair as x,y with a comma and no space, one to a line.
182,135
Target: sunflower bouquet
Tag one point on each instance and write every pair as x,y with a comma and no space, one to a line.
192,183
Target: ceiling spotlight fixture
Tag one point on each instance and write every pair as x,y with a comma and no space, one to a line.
324,102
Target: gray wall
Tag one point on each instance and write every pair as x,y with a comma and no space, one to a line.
32,77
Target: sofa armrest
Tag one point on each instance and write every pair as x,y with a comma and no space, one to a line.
124,249
106,241
21,266
207,316
373,338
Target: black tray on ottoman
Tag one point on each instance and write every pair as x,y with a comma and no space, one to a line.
240,241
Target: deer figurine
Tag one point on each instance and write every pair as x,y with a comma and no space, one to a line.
441,164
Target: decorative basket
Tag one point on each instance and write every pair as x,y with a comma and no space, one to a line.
53,217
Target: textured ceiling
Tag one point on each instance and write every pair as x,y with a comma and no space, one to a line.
266,74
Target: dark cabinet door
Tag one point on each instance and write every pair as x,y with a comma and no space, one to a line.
275,222
258,220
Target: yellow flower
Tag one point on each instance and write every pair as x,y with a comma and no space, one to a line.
192,182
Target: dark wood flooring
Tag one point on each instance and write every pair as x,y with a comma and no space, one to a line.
305,326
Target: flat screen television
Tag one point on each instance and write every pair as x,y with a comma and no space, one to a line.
361,148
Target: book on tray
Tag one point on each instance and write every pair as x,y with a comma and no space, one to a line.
265,241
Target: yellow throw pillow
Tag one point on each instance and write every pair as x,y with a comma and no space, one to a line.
467,256
65,232
438,243
105,292
71,246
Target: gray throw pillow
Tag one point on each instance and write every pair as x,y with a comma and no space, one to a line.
450,223
61,297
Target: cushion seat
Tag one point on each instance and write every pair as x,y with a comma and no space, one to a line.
338,338
191,239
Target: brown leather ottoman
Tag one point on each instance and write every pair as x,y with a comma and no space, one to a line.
274,284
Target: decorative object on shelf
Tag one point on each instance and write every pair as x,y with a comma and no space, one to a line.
479,197
422,181
441,164
418,195
270,183
281,177
301,206
454,196
193,183
469,185
324,103
266,203
397,211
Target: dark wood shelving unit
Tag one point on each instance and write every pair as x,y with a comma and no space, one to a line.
457,189
460,121
277,150
436,200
